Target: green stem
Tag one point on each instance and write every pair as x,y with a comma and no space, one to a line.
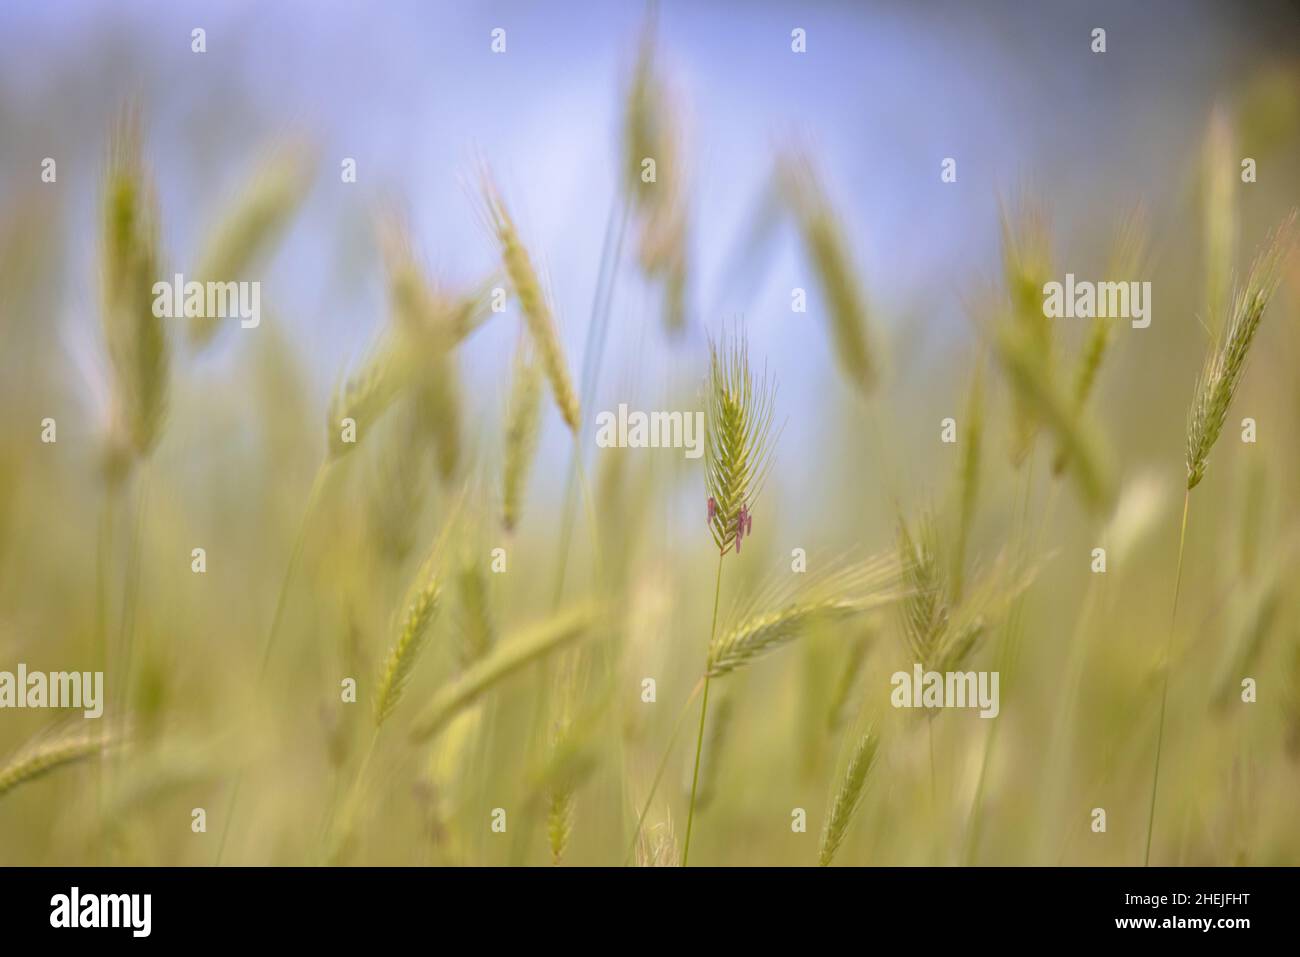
131,590
1169,664
704,711
659,771
103,559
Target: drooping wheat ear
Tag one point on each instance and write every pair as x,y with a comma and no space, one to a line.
1219,185
130,264
646,132
828,251
1226,361
366,394
1026,268
50,750
523,419
649,132
255,220
777,615
1039,395
533,303
503,661
421,606
849,797
738,440
968,476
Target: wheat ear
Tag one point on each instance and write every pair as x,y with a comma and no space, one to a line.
538,315
48,751
256,219
828,251
130,264
849,797
1226,362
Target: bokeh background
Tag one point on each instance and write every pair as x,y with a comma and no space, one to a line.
413,93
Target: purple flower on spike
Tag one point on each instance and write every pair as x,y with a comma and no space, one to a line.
713,509
743,522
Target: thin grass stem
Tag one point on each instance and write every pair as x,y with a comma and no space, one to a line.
704,711
1164,694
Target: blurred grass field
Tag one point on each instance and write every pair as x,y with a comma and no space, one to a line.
97,532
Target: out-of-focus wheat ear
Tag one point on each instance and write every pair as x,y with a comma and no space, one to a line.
426,326
1035,390
643,118
538,315
968,477
651,132
52,749
501,662
467,311
738,441
1226,362
523,422
130,264
1219,184
849,797
828,252
1026,268
770,621
560,796
559,823
925,602
255,220
366,394
1128,259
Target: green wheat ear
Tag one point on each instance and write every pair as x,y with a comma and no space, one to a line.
827,247
848,797
50,750
1226,362
130,263
738,440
